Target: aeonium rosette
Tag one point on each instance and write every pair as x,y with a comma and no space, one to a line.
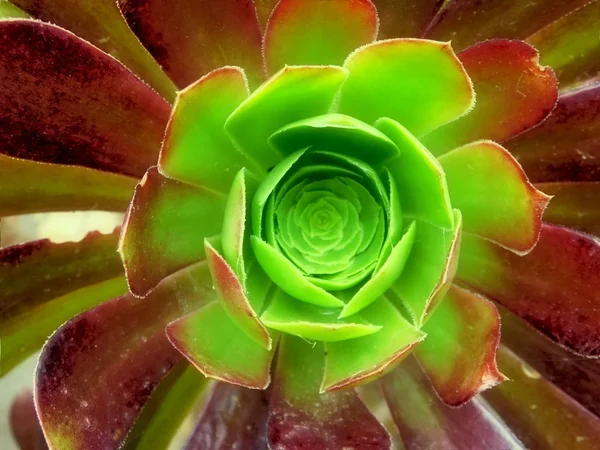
319,212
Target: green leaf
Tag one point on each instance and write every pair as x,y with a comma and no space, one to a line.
417,82
219,348
336,133
196,148
233,298
287,276
291,316
389,272
430,268
419,177
234,226
294,93
348,363
9,11
495,197
267,187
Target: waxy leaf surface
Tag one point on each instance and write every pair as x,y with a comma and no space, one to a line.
493,194
220,349
73,104
189,38
301,417
459,353
554,288
351,362
165,228
233,417
292,94
570,47
514,93
102,366
540,414
196,148
101,23
419,83
319,32
425,421
566,146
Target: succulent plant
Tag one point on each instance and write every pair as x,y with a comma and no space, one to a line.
331,205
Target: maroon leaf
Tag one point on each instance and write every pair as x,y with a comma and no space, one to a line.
101,23
566,147
24,423
556,287
189,38
98,370
301,418
233,418
425,422
576,376
514,93
541,415
574,204
466,22
405,18
67,102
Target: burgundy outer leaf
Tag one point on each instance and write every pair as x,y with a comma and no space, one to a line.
405,18
24,423
234,417
570,45
566,147
574,204
165,227
425,422
466,22
98,370
578,377
540,414
189,38
514,93
556,287
461,364
301,418
67,102
29,186
101,23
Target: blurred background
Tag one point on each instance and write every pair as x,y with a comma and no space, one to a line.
58,227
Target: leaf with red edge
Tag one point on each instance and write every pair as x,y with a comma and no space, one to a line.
571,45
469,21
165,228
514,93
459,353
574,204
233,418
320,32
189,38
492,192
405,18
578,377
233,298
566,147
101,23
24,422
556,287
425,422
29,187
220,349
44,284
98,370
540,414
302,418
70,103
